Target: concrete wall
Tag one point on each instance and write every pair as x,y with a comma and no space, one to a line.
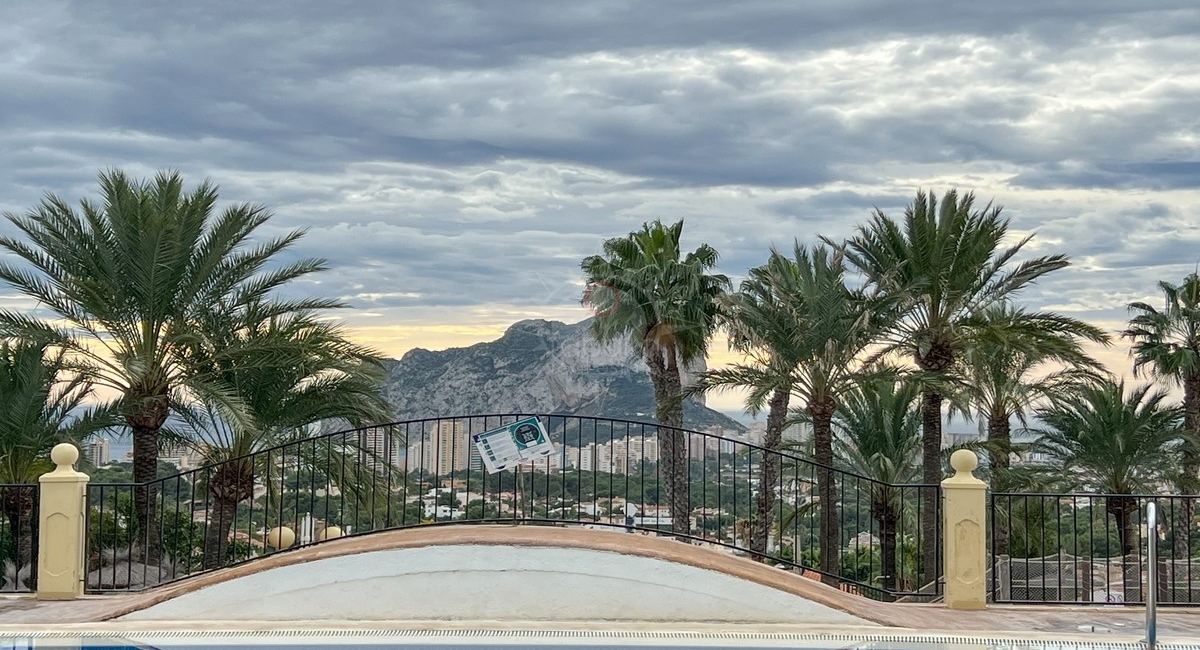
486,582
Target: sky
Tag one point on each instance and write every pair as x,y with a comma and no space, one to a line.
453,161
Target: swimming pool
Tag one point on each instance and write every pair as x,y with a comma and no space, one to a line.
468,639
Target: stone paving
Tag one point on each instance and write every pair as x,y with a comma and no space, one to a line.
19,614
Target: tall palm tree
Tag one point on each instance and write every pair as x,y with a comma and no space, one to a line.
945,262
1106,440
643,286
124,278
878,437
40,406
1166,343
804,333
285,372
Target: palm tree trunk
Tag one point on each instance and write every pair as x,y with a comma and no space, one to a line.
1190,485
149,413
216,535
1191,422
1121,508
772,442
145,471
1000,443
931,449
664,375
887,518
830,534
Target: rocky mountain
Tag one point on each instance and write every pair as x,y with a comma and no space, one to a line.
537,366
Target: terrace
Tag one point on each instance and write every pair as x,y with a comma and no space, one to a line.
513,510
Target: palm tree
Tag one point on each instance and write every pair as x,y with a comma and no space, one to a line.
644,287
284,372
879,438
39,402
945,263
803,332
1167,344
1102,439
1006,375
759,326
126,276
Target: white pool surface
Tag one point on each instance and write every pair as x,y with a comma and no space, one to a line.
493,583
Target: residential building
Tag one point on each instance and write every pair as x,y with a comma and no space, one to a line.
452,448
444,450
99,451
379,447
183,457
958,438
799,432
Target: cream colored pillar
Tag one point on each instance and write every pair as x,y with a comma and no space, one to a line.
62,527
964,504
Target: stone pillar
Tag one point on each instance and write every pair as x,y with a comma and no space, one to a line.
964,504
62,527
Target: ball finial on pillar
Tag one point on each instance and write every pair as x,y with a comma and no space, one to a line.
964,461
64,455
281,537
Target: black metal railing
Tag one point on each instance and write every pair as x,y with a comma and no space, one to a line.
1091,548
606,473
19,537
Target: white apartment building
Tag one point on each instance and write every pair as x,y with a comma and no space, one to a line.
379,445
615,457
444,450
184,458
99,451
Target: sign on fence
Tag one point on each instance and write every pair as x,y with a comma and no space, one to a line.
513,444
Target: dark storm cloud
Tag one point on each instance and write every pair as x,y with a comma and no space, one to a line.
454,155
1150,175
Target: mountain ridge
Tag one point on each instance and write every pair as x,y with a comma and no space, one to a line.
536,366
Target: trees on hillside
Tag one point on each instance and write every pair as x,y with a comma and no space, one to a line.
125,279
645,287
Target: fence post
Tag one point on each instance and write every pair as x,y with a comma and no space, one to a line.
964,542
61,530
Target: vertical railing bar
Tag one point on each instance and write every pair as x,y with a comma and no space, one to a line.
1151,576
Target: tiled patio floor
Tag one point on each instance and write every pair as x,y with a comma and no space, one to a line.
1108,623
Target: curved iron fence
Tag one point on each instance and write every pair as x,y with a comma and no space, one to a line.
605,473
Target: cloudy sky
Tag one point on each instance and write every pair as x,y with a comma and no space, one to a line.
454,160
